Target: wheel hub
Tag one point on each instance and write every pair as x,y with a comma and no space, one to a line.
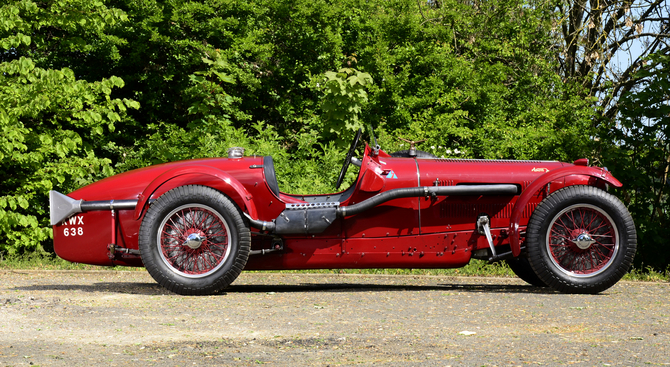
194,241
583,241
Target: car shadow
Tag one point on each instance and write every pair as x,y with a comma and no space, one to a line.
110,287
366,287
155,289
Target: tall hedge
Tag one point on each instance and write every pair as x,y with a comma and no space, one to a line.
92,88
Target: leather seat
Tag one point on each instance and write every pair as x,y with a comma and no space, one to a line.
270,175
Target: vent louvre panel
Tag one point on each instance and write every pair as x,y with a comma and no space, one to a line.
497,211
529,209
464,210
445,182
461,160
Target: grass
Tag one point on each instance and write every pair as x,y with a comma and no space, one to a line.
479,268
648,274
46,261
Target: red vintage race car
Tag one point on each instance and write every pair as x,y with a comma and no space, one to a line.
195,225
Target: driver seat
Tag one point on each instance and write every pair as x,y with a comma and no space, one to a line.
270,175
271,179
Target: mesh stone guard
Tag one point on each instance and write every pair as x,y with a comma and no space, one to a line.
310,206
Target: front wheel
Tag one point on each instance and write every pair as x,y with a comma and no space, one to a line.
581,239
194,241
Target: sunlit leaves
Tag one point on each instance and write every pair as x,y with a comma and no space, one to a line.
637,150
344,97
49,118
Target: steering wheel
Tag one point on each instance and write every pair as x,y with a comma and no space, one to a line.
348,159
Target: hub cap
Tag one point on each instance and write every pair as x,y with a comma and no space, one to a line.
194,241
582,240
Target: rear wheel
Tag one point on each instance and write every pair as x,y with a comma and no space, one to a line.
581,239
193,240
521,267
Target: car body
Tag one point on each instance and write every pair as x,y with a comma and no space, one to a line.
195,225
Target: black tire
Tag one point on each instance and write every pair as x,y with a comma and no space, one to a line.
581,239
405,154
194,240
521,267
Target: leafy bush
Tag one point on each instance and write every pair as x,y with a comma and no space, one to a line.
49,123
638,153
91,88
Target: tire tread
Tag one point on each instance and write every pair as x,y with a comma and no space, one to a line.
193,193
536,234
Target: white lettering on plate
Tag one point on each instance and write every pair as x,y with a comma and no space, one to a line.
73,226
73,231
77,220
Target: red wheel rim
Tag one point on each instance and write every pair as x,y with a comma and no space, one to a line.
194,241
582,240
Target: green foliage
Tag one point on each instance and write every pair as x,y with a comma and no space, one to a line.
55,32
210,131
344,99
479,80
50,121
638,154
91,86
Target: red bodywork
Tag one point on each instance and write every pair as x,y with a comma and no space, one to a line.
424,232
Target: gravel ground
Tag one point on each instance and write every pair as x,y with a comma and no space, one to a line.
123,318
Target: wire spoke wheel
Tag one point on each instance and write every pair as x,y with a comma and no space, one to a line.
193,240
582,240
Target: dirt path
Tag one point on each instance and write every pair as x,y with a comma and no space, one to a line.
124,318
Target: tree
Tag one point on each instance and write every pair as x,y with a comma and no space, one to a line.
480,77
603,43
641,157
50,121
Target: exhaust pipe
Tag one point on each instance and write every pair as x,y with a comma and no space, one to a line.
62,207
462,190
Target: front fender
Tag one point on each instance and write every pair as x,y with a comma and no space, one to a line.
537,185
226,184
